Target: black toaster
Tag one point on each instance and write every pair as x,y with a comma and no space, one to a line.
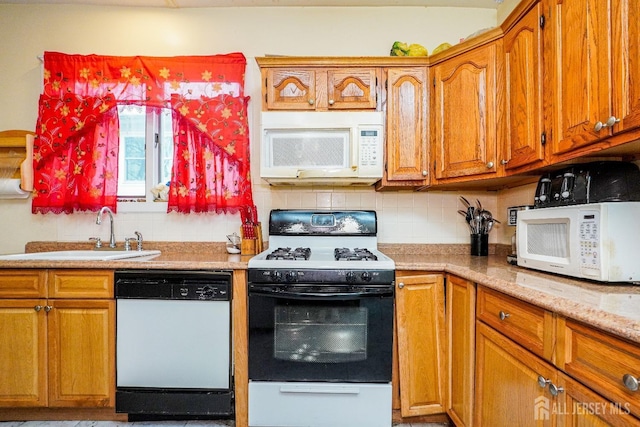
594,182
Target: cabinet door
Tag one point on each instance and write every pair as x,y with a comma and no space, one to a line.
580,72
508,392
523,93
460,315
352,88
289,89
464,114
406,147
626,62
23,380
579,406
81,353
420,328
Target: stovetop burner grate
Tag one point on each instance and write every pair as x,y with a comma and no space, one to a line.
357,254
290,254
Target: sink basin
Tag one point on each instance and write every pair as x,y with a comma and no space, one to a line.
79,255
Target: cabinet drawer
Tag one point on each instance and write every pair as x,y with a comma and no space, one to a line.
23,283
81,284
600,361
528,325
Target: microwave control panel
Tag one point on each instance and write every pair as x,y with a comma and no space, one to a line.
370,147
589,239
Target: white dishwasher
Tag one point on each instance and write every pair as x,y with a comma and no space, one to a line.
173,343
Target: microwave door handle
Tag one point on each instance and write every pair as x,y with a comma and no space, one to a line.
326,173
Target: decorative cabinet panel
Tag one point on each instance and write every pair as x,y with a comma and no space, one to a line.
421,340
523,112
64,353
406,147
464,114
320,89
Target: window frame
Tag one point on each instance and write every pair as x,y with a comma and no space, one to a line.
153,164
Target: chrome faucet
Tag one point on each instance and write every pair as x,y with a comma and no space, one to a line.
112,238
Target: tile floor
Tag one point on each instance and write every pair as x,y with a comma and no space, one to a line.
148,424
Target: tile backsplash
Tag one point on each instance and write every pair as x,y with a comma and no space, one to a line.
403,217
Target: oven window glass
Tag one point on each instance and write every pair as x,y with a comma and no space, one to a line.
318,334
322,339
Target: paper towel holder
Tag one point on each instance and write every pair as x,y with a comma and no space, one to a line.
16,161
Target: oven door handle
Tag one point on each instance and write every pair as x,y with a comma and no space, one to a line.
322,295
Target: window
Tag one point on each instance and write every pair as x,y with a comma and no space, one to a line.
146,151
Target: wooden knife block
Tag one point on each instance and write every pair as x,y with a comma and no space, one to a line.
251,245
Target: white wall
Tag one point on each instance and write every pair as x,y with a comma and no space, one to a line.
27,31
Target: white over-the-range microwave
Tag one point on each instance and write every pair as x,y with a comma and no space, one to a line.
322,148
596,241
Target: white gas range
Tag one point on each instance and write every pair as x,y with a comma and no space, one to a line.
321,322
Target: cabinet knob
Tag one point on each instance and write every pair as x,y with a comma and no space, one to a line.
609,123
47,308
37,308
555,390
503,315
331,102
489,165
311,101
424,173
630,382
504,162
542,381
401,285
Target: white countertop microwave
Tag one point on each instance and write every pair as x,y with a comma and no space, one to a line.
596,241
322,148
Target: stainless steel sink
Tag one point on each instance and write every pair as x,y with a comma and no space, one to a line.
78,255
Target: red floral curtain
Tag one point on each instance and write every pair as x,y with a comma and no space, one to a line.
211,155
76,146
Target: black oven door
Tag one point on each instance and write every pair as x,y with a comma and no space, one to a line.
320,333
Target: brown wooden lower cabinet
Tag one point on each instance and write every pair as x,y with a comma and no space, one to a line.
460,322
58,352
507,391
420,339
515,387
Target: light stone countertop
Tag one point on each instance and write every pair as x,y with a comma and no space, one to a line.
612,308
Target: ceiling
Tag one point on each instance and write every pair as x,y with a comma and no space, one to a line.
176,4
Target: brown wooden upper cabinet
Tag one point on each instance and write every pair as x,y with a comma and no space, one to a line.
406,147
523,113
464,113
593,54
320,89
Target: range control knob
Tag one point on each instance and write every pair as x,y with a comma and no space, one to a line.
276,276
366,276
291,276
350,276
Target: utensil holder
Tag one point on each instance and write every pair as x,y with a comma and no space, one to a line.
480,244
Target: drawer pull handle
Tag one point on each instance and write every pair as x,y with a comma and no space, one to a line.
37,308
630,382
504,315
555,390
542,381
47,308
401,285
